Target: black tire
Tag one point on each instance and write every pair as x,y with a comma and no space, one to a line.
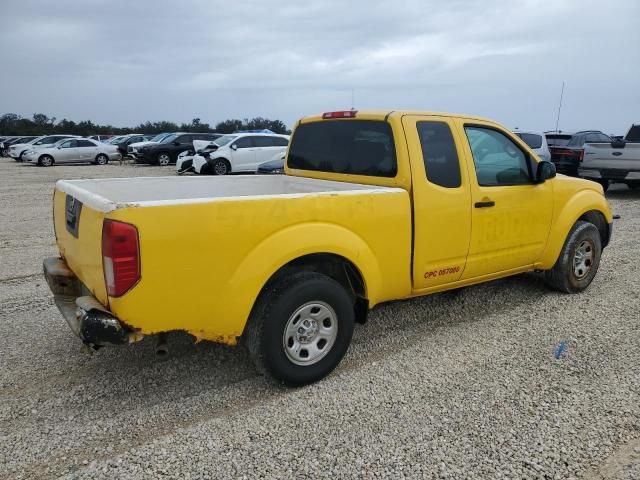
605,184
101,159
264,335
163,159
567,276
633,185
46,161
20,159
220,167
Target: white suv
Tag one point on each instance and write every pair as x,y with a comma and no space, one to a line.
240,152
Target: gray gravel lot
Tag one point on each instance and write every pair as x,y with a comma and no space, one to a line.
456,385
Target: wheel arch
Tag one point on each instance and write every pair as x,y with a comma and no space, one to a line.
586,205
341,255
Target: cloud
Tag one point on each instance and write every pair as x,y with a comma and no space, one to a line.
126,62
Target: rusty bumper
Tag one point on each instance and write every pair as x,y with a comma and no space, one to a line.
88,319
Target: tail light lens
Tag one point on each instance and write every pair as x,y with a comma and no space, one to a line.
581,155
120,257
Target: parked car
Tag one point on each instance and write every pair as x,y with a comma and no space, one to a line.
124,141
4,145
615,162
242,152
273,166
73,150
184,162
536,142
167,151
17,150
132,149
567,149
287,264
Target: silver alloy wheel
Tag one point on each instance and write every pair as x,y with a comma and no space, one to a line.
220,168
310,333
164,159
46,161
102,160
583,259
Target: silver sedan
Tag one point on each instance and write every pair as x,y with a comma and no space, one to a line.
73,150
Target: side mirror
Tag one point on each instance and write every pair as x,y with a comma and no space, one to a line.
618,144
234,147
545,171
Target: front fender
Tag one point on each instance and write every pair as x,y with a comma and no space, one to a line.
576,206
297,241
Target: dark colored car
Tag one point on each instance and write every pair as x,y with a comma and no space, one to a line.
169,148
567,149
272,166
127,140
13,141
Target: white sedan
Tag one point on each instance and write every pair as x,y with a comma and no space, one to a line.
73,150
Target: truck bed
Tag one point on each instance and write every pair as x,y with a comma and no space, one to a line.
209,244
107,195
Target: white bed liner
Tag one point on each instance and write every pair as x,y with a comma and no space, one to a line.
106,195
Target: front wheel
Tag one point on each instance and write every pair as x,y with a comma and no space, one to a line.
220,167
300,328
164,159
579,259
46,161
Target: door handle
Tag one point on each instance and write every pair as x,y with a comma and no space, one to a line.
617,154
485,204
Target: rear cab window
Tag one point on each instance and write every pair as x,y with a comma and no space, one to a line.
558,140
354,147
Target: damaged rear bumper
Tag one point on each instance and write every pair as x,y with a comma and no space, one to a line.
88,319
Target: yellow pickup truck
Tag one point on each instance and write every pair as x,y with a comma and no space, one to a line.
375,206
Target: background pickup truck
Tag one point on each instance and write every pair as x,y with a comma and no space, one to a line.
375,206
605,163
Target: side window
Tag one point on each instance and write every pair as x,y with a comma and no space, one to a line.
69,144
85,143
244,142
497,160
263,141
184,139
439,154
280,141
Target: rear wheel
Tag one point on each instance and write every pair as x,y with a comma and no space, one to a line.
46,161
101,159
163,159
300,328
579,259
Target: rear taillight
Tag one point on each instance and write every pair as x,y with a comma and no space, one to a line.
340,114
120,257
581,155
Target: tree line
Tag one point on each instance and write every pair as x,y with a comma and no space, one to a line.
41,124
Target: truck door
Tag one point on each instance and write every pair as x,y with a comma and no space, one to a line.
441,200
511,214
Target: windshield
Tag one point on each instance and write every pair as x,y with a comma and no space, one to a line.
34,140
159,137
116,139
222,141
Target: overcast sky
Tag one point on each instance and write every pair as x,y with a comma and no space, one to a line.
124,62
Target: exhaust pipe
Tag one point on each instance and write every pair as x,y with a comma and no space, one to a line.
162,349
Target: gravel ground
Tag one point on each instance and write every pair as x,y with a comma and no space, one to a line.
455,385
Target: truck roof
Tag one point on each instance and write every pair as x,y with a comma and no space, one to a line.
382,114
